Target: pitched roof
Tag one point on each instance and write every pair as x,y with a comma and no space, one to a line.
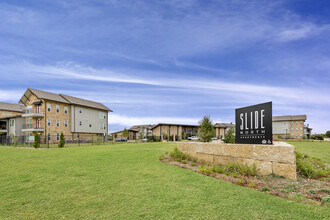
290,118
11,107
154,126
42,95
84,102
62,98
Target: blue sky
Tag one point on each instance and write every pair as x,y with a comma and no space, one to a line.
171,61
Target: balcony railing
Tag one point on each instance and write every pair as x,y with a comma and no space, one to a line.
31,112
31,127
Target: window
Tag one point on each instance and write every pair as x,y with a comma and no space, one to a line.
80,123
58,136
57,109
49,106
296,129
12,122
101,126
49,120
66,123
104,126
78,135
65,110
296,136
296,123
291,129
300,129
101,115
58,122
80,110
292,123
90,125
301,122
29,109
49,136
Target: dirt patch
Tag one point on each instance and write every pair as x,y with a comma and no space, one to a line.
305,190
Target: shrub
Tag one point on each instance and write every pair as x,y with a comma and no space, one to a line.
325,190
194,160
311,167
243,169
205,170
327,134
240,182
265,188
252,184
184,162
326,199
193,164
36,143
229,136
312,191
62,141
178,155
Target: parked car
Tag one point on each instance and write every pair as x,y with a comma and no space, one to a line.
145,140
214,139
194,138
121,140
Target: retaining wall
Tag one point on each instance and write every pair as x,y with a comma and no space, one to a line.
278,159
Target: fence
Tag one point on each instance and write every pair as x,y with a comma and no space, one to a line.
53,140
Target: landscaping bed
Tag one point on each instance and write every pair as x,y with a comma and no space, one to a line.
308,190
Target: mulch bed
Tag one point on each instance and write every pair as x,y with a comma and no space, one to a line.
302,189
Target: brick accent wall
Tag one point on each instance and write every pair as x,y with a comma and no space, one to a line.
297,129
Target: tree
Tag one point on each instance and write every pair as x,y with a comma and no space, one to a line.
36,143
125,133
229,136
327,134
206,129
62,140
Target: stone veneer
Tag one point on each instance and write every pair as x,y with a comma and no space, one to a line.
278,159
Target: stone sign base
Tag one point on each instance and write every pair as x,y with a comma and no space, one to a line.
278,159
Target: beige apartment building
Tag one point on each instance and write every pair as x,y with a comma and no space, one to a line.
51,114
291,126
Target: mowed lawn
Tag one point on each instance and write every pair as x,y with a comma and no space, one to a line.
127,181
320,150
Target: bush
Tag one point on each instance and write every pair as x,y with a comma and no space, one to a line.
326,190
312,191
229,136
317,137
311,167
178,155
265,189
326,199
327,134
36,143
62,141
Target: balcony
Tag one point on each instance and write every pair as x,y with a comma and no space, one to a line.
33,112
31,127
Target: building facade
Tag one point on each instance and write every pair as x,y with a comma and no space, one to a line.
291,126
51,114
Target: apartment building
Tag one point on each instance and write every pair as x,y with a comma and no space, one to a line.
51,114
291,126
222,128
133,134
9,110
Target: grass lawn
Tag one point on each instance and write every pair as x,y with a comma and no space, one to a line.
320,150
127,181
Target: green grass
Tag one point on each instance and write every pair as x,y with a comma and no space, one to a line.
127,181
319,150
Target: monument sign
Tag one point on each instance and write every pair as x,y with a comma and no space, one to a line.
254,124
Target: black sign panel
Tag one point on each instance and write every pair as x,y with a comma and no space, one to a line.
254,124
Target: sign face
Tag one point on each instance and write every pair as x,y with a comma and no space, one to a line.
254,124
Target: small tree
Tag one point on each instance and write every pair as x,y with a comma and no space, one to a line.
229,136
36,143
206,129
125,133
327,134
62,140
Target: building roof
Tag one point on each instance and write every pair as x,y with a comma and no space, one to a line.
224,125
84,102
11,107
10,117
173,125
42,95
61,98
290,118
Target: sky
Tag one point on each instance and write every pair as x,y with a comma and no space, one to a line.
171,61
